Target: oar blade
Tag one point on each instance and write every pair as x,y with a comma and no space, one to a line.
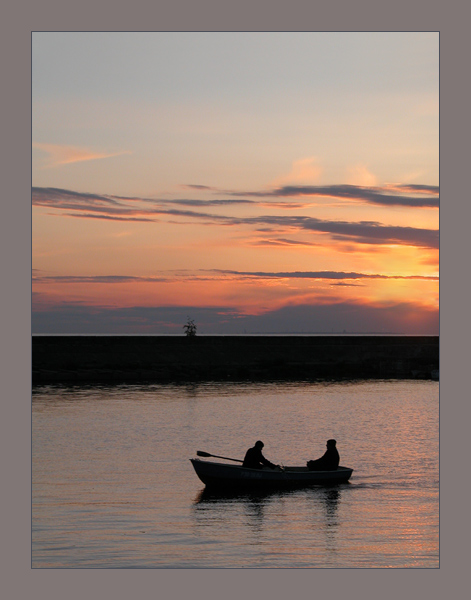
208,455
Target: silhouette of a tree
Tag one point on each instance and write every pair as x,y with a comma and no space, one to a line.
190,328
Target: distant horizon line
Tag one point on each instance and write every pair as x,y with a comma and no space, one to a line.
239,334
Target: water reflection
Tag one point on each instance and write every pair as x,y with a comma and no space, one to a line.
105,447
330,494
214,507
331,502
212,496
323,508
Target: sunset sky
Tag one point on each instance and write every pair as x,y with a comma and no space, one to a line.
255,182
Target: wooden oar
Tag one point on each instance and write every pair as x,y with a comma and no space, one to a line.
208,455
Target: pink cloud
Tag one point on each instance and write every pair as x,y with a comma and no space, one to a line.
63,155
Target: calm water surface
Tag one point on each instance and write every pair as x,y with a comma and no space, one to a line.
113,486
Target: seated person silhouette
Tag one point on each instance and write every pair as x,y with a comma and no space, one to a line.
254,458
328,462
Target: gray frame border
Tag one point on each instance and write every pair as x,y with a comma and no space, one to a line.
19,19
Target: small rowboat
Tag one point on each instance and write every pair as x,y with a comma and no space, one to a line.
215,474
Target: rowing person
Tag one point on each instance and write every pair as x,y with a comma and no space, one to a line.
329,461
254,458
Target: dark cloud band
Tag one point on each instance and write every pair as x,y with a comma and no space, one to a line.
371,195
364,232
395,318
188,275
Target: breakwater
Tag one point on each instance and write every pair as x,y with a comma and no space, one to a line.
127,359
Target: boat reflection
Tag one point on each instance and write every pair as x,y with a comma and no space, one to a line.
330,493
214,507
273,507
209,495
329,500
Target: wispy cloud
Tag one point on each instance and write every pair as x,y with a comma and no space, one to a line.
63,155
215,274
320,275
88,205
363,232
191,202
417,188
281,242
195,186
366,191
111,279
371,195
125,219
49,196
67,199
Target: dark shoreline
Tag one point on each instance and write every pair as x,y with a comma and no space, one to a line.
139,359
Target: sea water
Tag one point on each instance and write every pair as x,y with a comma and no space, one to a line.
113,487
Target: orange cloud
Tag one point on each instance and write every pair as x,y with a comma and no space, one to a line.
63,155
360,175
304,170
